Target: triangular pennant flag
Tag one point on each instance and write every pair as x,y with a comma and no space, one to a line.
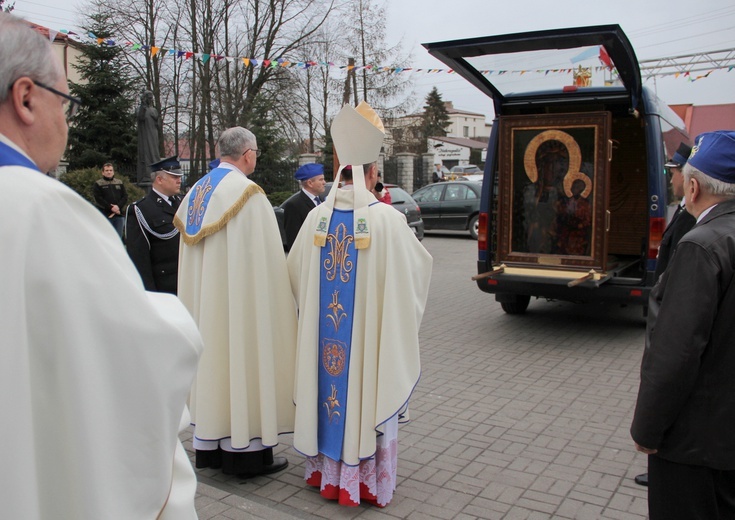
154,51
205,58
52,35
265,63
246,61
188,55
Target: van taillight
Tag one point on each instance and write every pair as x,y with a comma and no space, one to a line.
482,232
656,226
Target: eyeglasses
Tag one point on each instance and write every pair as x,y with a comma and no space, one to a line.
74,103
257,152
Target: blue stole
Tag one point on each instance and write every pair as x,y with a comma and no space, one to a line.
9,156
336,311
201,193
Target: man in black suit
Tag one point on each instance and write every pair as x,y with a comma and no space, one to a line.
679,225
152,240
686,402
295,209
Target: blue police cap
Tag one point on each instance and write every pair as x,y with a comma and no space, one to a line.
308,171
714,155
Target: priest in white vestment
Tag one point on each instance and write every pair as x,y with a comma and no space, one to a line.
234,281
94,370
361,280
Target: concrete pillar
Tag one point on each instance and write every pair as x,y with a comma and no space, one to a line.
427,161
307,158
405,170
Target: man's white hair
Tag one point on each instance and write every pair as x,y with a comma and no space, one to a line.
234,141
24,52
708,184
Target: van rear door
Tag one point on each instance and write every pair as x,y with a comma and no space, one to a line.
523,66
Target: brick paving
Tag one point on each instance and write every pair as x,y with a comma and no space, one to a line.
515,417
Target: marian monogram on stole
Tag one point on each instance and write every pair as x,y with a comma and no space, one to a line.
337,302
198,207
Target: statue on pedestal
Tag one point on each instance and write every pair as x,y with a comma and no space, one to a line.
148,150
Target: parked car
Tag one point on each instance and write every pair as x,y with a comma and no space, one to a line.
463,169
400,200
574,199
450,205
473,177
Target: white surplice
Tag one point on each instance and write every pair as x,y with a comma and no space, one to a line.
94,371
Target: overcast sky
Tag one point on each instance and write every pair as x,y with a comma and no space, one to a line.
656,28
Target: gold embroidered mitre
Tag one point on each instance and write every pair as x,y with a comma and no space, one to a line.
357,134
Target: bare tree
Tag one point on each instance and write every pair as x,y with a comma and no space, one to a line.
365,31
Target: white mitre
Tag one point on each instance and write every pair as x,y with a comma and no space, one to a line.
357,134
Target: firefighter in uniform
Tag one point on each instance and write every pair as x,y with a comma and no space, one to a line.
151,238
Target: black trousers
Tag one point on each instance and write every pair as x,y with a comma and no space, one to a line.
684,492
235,463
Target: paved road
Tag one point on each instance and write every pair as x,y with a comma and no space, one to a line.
515,417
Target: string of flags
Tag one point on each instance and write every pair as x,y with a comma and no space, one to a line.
607,65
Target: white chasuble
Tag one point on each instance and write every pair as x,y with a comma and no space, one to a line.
94,371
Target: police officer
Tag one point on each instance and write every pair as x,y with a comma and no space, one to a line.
152,240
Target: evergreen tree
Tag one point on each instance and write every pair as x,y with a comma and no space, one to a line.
435,119
104,128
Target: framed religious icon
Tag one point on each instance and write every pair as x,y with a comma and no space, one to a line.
553,190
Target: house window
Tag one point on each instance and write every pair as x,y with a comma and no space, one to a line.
465,131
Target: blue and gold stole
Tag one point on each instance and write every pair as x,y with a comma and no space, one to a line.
336,311
9,156
202,191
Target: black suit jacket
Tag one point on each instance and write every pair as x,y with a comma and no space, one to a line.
156,259
686,401
679,226
295,209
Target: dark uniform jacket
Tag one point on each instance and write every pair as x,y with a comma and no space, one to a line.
156,258
686,401
109,192
295,209
680,224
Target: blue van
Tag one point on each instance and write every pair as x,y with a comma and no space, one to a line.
575,194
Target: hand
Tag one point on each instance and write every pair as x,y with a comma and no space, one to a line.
115,209
647,451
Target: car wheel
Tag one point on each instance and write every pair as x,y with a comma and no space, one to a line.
518,306
474,226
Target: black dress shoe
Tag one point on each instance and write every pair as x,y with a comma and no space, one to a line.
279,463
642,479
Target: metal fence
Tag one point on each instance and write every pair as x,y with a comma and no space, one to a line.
390,170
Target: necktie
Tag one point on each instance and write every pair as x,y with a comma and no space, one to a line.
317,201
